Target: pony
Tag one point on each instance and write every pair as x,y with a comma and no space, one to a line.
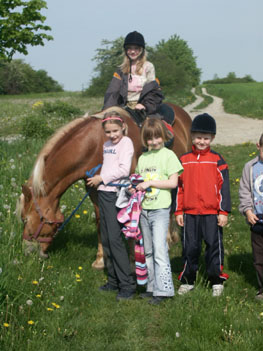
63,160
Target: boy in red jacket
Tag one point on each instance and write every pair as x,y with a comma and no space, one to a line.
202,206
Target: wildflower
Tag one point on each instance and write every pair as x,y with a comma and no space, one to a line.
61,298
177,334
29,302
37,104
50,309
85,212
49,267
78,280
80,268
35,282
77,276
77,216
76,186
237,180
38,296
55,305
30,322
261,314
6,325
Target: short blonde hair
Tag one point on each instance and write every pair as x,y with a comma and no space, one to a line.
153,127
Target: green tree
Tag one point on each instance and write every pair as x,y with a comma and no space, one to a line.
175,64
21,24
108,59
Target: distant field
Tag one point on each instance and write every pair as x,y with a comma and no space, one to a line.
243,98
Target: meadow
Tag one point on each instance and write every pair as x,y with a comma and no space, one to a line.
241,98
55,304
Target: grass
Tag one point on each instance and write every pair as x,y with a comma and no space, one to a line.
56,305
207,99
241,98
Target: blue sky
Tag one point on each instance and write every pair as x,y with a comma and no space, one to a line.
225,36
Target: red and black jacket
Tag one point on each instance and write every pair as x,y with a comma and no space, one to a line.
203,187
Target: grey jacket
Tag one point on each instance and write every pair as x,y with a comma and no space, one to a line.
116,95
246,187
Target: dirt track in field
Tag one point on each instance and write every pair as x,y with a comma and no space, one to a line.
232,129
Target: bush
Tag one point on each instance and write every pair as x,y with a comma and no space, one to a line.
61,109
35,126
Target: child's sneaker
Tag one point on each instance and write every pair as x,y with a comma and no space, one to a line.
217,289
185,288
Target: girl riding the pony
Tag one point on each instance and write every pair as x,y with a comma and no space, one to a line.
133,85
118,152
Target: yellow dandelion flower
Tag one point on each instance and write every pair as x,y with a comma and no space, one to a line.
77,275
85,212
6,325
38,295
77,216
78,280
35,282
55,305
76,186
30,322
50,309
237,180
80,268
261,314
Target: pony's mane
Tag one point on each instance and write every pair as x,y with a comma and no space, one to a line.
38,183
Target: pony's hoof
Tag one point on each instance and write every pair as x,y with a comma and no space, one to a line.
43,255
98,264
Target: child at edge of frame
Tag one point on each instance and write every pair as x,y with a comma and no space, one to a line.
118,152
159,167
202,207
251,206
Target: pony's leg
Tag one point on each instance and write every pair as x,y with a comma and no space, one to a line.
43,250
99,262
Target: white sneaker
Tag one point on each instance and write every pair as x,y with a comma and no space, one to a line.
185,288
218,289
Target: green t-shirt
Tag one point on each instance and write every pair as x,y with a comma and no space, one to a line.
158,165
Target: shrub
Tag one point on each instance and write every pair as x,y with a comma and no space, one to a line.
61,109
35,126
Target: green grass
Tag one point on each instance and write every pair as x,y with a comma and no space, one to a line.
243,98
207,99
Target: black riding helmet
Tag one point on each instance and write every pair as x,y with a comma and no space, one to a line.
134,38
204,123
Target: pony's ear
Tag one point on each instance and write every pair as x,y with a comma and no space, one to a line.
27,193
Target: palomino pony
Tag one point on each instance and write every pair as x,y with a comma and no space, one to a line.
64,159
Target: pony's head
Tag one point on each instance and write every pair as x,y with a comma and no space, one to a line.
40,221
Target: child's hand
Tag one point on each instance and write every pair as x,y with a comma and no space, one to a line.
179,220
143,186
139,107
221,220
94,181
251,217
131,190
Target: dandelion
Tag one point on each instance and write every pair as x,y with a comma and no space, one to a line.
61,298
261,314
13,167
37,104
78,280
76,186
55,305
6,325
30,322
85,212
77,216
38,296
177,334
35,282
50,309
49,267
80,268
77,276
29,302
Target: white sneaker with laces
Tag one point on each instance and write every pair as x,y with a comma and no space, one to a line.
217,289
185,288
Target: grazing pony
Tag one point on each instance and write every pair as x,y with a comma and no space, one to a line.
64,159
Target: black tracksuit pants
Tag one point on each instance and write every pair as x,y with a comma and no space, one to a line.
198,228
257,250
117,260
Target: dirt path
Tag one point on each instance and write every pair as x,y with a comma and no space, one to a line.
231,129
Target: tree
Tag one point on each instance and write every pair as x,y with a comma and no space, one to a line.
107,59
21,24
175,64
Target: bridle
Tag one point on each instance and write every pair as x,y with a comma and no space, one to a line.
43,221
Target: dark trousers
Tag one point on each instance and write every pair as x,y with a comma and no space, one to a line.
117,261
196,229
257,250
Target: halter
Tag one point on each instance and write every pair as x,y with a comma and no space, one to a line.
43,221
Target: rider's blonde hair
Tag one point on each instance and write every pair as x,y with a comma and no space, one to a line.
125,66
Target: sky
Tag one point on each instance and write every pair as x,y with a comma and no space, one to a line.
225,36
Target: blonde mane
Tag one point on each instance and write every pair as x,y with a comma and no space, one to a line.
38,183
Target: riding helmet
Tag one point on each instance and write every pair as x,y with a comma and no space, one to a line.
134,38
204,123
